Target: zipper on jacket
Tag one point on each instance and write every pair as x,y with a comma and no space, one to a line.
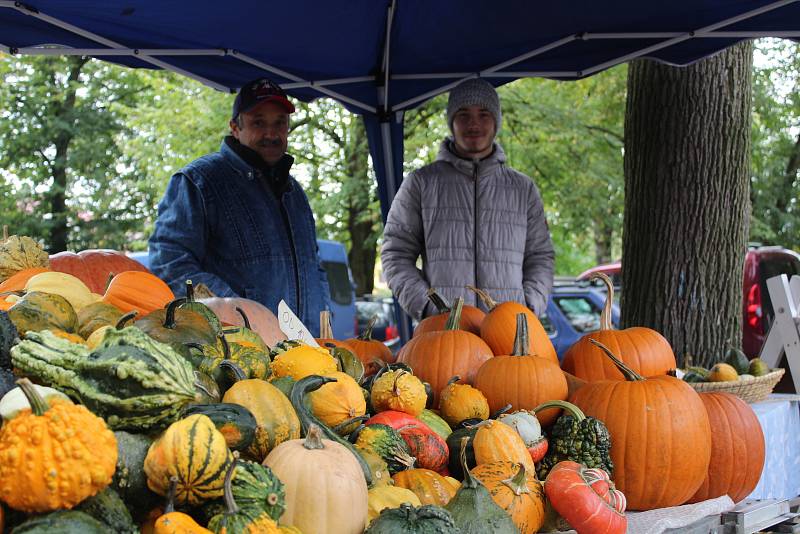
288,225
475,223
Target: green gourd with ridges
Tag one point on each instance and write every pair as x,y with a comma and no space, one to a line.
62,522
407,519
244,336
206,358
43,311
198,307
239,518
473,509
738,360
108,508
233,421
176,326
131,380
8,338
387,443
306,385
436,423
254,486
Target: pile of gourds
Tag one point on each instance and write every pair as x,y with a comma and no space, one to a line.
196,415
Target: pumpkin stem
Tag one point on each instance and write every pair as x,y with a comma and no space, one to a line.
173,489
38,404
518,483
453,380
5,232
313,439
245,319
454,319
605,316
395,388
487,300
573,410
125,319
366,335
501,411
521,342
108,281
438,301
630,374
237,372
325,330
469,481
347,422
230,502
169,316
226,348
189,291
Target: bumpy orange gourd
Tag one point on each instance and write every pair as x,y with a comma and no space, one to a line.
54,456
498,328
737,448
644,350
471,317
661,415
462,401
398,390
437,356
135,290
302,361
172,522
522,380
516,491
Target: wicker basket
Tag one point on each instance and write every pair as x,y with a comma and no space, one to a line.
753,390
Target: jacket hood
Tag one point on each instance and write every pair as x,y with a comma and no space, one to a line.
486,166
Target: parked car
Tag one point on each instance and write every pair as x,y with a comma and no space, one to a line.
385,327
340,280
572,311
760,264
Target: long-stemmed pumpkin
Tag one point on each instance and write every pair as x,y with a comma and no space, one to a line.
368,350
642,349
522,379
437,356
471,317
498,328
661,415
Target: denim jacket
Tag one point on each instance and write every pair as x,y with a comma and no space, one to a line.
221,225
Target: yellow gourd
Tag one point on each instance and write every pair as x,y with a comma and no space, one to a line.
302,361
382,497
722,372
399,390
462,401
66,285
336,402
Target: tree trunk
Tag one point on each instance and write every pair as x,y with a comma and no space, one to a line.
687,163
59,231
603,242
360,219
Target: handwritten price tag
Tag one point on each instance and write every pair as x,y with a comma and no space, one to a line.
292,326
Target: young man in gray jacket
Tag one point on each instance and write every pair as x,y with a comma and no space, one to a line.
473,219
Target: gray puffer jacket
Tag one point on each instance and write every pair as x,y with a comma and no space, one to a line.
473,222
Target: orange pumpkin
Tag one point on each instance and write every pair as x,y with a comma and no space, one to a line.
471,317
94,267
644,350
663,416
516,491
522,380
368,350
498,328
140,291
437,356
17,281
496,441
326,332
737,448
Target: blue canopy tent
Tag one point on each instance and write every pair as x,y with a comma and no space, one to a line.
380,58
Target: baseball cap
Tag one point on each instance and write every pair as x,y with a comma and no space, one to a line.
261,90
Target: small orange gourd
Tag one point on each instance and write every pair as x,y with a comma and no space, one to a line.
398,390
496,441
54,456
516,491
459,402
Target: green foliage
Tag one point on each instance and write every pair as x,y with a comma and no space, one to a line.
775,181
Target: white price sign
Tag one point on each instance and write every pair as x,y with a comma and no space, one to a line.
292,326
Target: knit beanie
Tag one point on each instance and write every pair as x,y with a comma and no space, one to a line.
474,92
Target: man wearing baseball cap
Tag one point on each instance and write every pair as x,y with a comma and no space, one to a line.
236,221
473,219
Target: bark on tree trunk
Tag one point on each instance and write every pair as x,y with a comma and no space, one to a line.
360,220
687,211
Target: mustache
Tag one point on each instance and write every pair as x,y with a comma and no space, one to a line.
266,143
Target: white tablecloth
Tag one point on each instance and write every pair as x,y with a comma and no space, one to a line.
779,416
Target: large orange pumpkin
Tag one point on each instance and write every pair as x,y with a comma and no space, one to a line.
368,350
17,281
437,356
94,267
522,380
642,349
660,435
499,327
140,291
471,317
737,448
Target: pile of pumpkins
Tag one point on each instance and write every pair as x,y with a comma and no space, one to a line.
164,414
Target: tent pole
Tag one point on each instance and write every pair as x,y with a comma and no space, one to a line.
102,40
386,55
60,51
